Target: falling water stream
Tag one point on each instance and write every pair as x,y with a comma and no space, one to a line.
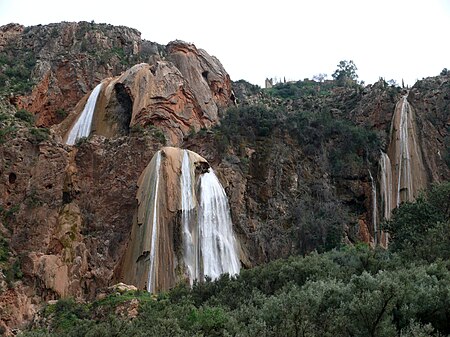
374,209
404,179
208,245
386,185
83,125
218,247
154,208
190,230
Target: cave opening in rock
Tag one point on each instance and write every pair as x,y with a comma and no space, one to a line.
125,108
205,74
12,178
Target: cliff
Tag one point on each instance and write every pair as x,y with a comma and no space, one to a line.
48,70
295,169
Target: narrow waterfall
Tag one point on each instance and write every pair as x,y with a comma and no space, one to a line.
83,125
408,173
404,181
374,209
190,230
154,208
386,185
218,247
182,230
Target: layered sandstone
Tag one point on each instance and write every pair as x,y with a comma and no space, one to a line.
159,95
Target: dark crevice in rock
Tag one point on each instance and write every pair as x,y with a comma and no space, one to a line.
124,110
66,197
12,178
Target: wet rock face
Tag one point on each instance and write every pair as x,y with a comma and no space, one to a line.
160,95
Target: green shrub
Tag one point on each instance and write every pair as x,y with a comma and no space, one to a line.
26,116
419,229
39,135
7,132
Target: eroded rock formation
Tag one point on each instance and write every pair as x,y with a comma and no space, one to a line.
162,96
183,229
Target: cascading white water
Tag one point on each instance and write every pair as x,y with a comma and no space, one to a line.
386,185
218,247
404,181
154,208
190,228
374,209
171,182
83,125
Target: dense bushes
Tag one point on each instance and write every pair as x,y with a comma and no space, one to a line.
421,229
15,70
346,145
353,292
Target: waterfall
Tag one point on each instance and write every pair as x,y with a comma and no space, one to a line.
386,185
82,127
374,209
218,247
404,181
154,208
402,172
182,230
190,229
408,172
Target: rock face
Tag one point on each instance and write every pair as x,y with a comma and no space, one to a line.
180,90
174,97
68,212
66,60
65,243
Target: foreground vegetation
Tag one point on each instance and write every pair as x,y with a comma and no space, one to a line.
354,291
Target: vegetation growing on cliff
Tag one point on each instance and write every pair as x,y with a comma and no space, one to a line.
15,71
354,291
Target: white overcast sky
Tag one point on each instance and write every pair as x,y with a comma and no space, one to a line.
394,39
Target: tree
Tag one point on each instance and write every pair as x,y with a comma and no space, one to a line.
345,74
320,77
419,229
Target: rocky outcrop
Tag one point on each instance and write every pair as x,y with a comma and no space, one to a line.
64,61
64,243
9,32
210,83
182,88
430,99
177,97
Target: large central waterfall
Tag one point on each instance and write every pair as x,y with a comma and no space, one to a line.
408,173
401,169
183,228
83,125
